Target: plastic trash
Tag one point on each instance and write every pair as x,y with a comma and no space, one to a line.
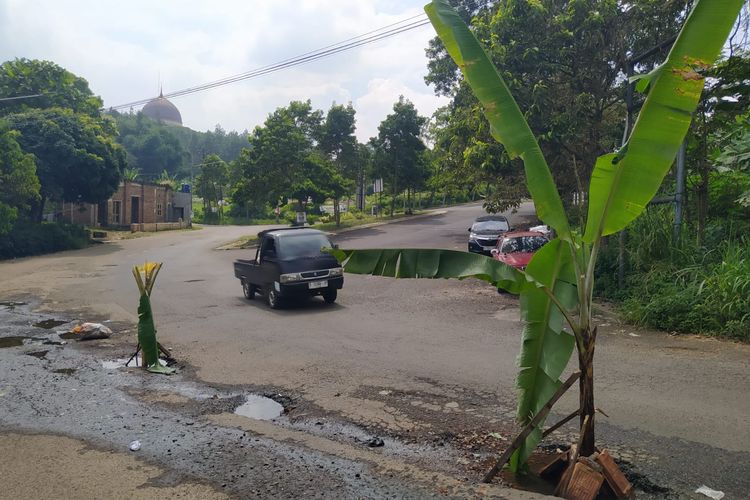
92,331
375,442
135,445
715,494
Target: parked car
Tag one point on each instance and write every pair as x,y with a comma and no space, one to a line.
517,248
485,231
289,264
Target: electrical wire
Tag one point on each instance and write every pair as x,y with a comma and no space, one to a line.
329,50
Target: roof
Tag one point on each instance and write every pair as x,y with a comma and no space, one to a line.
162,110
515,234
282,230
485,218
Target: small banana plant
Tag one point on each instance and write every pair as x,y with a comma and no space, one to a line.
145,278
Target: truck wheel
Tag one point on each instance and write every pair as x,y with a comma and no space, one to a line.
248,290
330,296
273,299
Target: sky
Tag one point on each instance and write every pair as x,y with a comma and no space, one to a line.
125,48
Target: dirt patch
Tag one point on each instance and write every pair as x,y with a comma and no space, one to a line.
59,467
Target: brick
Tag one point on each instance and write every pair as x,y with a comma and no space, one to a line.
614,476
584,484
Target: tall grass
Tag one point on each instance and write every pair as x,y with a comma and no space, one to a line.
679,286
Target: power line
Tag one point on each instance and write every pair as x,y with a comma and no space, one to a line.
348,44
21,97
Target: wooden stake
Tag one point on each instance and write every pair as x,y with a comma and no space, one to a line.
530,427
561,423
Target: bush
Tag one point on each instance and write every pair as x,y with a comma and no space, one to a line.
28,238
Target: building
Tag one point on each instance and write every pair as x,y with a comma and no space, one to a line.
161,110
136,205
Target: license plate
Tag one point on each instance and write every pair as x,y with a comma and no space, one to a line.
318,284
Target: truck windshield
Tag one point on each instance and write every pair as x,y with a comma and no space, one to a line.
302,245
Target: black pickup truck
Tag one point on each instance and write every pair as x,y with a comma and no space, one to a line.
289,264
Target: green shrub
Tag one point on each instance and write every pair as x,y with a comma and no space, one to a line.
28,238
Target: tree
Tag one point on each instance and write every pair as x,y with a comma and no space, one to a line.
53,85
557,286
339,145
399,148
564,62
212,181
77,159
283,160
19,184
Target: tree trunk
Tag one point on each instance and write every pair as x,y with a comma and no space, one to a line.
586,384
37,209
336,212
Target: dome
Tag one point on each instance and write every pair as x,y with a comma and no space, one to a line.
162,110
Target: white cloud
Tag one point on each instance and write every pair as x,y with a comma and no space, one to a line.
121,48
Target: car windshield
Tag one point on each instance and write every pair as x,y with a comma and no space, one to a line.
294,246
490,226
523,244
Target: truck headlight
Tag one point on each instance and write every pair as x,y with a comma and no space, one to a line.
336,271
286,278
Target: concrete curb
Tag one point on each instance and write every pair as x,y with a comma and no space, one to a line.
431,213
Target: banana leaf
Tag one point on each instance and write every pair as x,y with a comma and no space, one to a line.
431,263
622,185
546,347
507,123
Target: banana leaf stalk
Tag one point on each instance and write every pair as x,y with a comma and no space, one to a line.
145,278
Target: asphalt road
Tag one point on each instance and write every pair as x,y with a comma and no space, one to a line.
414,357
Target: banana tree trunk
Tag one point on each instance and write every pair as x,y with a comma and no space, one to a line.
586,385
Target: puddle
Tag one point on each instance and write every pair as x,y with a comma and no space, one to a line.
114,364
65,371
11,341
12,304
48,324
38,354
259,408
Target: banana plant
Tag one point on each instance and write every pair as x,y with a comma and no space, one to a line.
556,289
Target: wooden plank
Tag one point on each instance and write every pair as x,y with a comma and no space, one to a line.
614,476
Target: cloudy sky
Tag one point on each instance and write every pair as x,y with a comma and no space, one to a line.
122,48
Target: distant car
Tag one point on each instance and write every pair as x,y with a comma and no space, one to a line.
517,248
485,231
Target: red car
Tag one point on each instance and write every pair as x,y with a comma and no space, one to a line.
517,248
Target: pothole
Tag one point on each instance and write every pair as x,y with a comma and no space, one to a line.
259,408
10,304
38,354
114,364
11,341
48,324
65,371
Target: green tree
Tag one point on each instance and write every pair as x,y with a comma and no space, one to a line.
212,182
399,150
54,85
564,62
77,158
339,145
282,160
19,184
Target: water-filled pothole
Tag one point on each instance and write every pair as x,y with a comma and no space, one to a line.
114,364
49,323
259,408
65,371
38,354
11,341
